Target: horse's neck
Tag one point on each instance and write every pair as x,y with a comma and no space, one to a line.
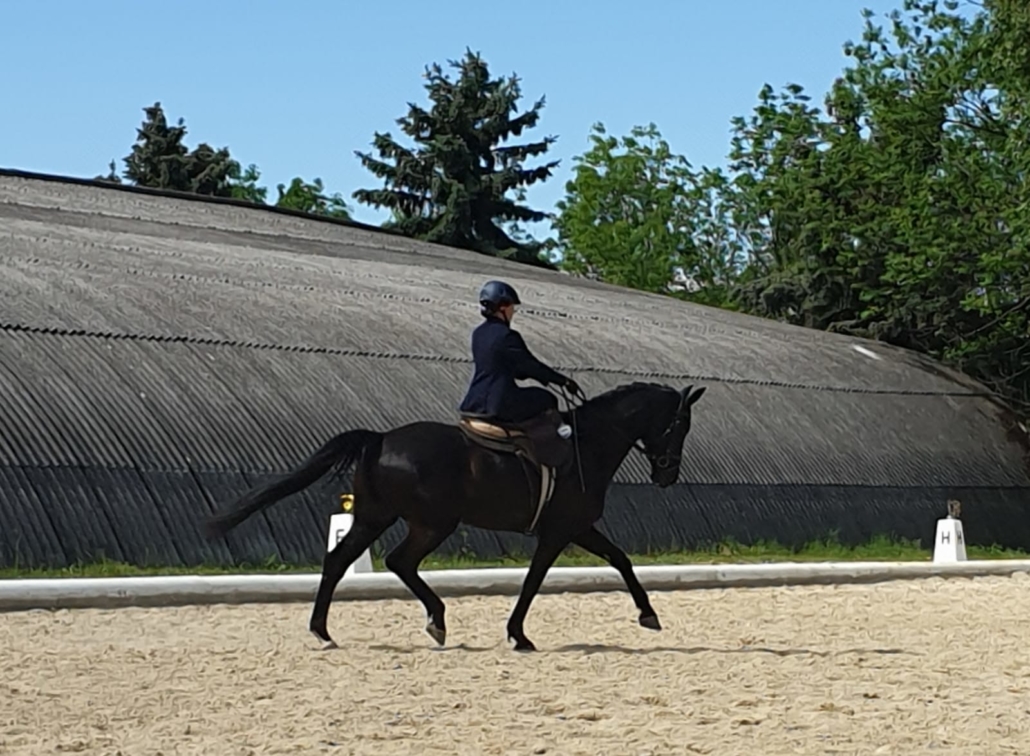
614,443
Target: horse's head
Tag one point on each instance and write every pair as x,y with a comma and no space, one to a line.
655,419
663,438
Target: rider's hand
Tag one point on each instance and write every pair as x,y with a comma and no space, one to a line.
573,387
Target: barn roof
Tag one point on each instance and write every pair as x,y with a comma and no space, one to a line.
145,332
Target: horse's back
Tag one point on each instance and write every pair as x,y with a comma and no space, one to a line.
423,444
443,444
423,430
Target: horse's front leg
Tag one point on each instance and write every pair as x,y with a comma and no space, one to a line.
598,544
547,550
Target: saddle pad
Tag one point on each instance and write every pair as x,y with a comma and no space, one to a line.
484,428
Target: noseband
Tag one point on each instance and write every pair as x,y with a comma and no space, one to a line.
662,461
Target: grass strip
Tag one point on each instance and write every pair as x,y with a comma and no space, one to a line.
878,549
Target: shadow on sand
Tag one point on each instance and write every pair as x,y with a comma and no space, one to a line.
602,648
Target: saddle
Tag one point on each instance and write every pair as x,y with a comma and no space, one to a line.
537,445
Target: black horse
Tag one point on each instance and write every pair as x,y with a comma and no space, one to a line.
435,476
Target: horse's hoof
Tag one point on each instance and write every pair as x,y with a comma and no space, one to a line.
523,645
650,621
327,642
436,633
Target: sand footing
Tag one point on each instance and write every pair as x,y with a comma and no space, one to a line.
928,666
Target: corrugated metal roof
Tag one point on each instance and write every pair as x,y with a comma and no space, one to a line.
164,285
178,341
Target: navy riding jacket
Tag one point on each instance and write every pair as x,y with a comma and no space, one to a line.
501,357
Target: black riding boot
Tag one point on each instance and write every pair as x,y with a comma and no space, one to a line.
548,447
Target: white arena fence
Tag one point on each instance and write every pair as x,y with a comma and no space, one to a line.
362,583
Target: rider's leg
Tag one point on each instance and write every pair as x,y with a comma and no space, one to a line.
534,403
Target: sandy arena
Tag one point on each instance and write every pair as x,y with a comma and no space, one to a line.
929,666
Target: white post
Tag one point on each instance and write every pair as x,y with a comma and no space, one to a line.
339,525
950,542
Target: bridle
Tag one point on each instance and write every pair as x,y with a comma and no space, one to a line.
663,461
660,461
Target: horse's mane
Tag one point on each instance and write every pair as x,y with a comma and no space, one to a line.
611,396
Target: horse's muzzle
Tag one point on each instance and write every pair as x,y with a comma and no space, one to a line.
663,477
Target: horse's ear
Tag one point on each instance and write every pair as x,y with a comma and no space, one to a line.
686,392
692,398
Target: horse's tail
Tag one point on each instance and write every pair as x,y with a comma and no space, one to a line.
339,452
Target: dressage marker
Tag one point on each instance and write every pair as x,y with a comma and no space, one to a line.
950,541
339,525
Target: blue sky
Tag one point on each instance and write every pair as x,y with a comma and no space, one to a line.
296,87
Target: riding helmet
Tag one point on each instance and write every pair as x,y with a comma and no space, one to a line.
496,294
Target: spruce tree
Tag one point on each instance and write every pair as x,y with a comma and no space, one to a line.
159,159
453,186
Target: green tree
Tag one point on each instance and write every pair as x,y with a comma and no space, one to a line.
111,176
243,184
307,197
159,159
637,215
453,186
311,198
899,211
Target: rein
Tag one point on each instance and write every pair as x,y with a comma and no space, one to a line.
575,434
662,461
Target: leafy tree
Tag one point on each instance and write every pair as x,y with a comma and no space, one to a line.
243,184
642,218
159,159
899,212
310,198
300,195
453,186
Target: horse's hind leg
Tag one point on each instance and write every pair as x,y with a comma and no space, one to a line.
334,565
598,544
404,561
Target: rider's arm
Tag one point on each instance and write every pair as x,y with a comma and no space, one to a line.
524,364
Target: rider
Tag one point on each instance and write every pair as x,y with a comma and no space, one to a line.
501,356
